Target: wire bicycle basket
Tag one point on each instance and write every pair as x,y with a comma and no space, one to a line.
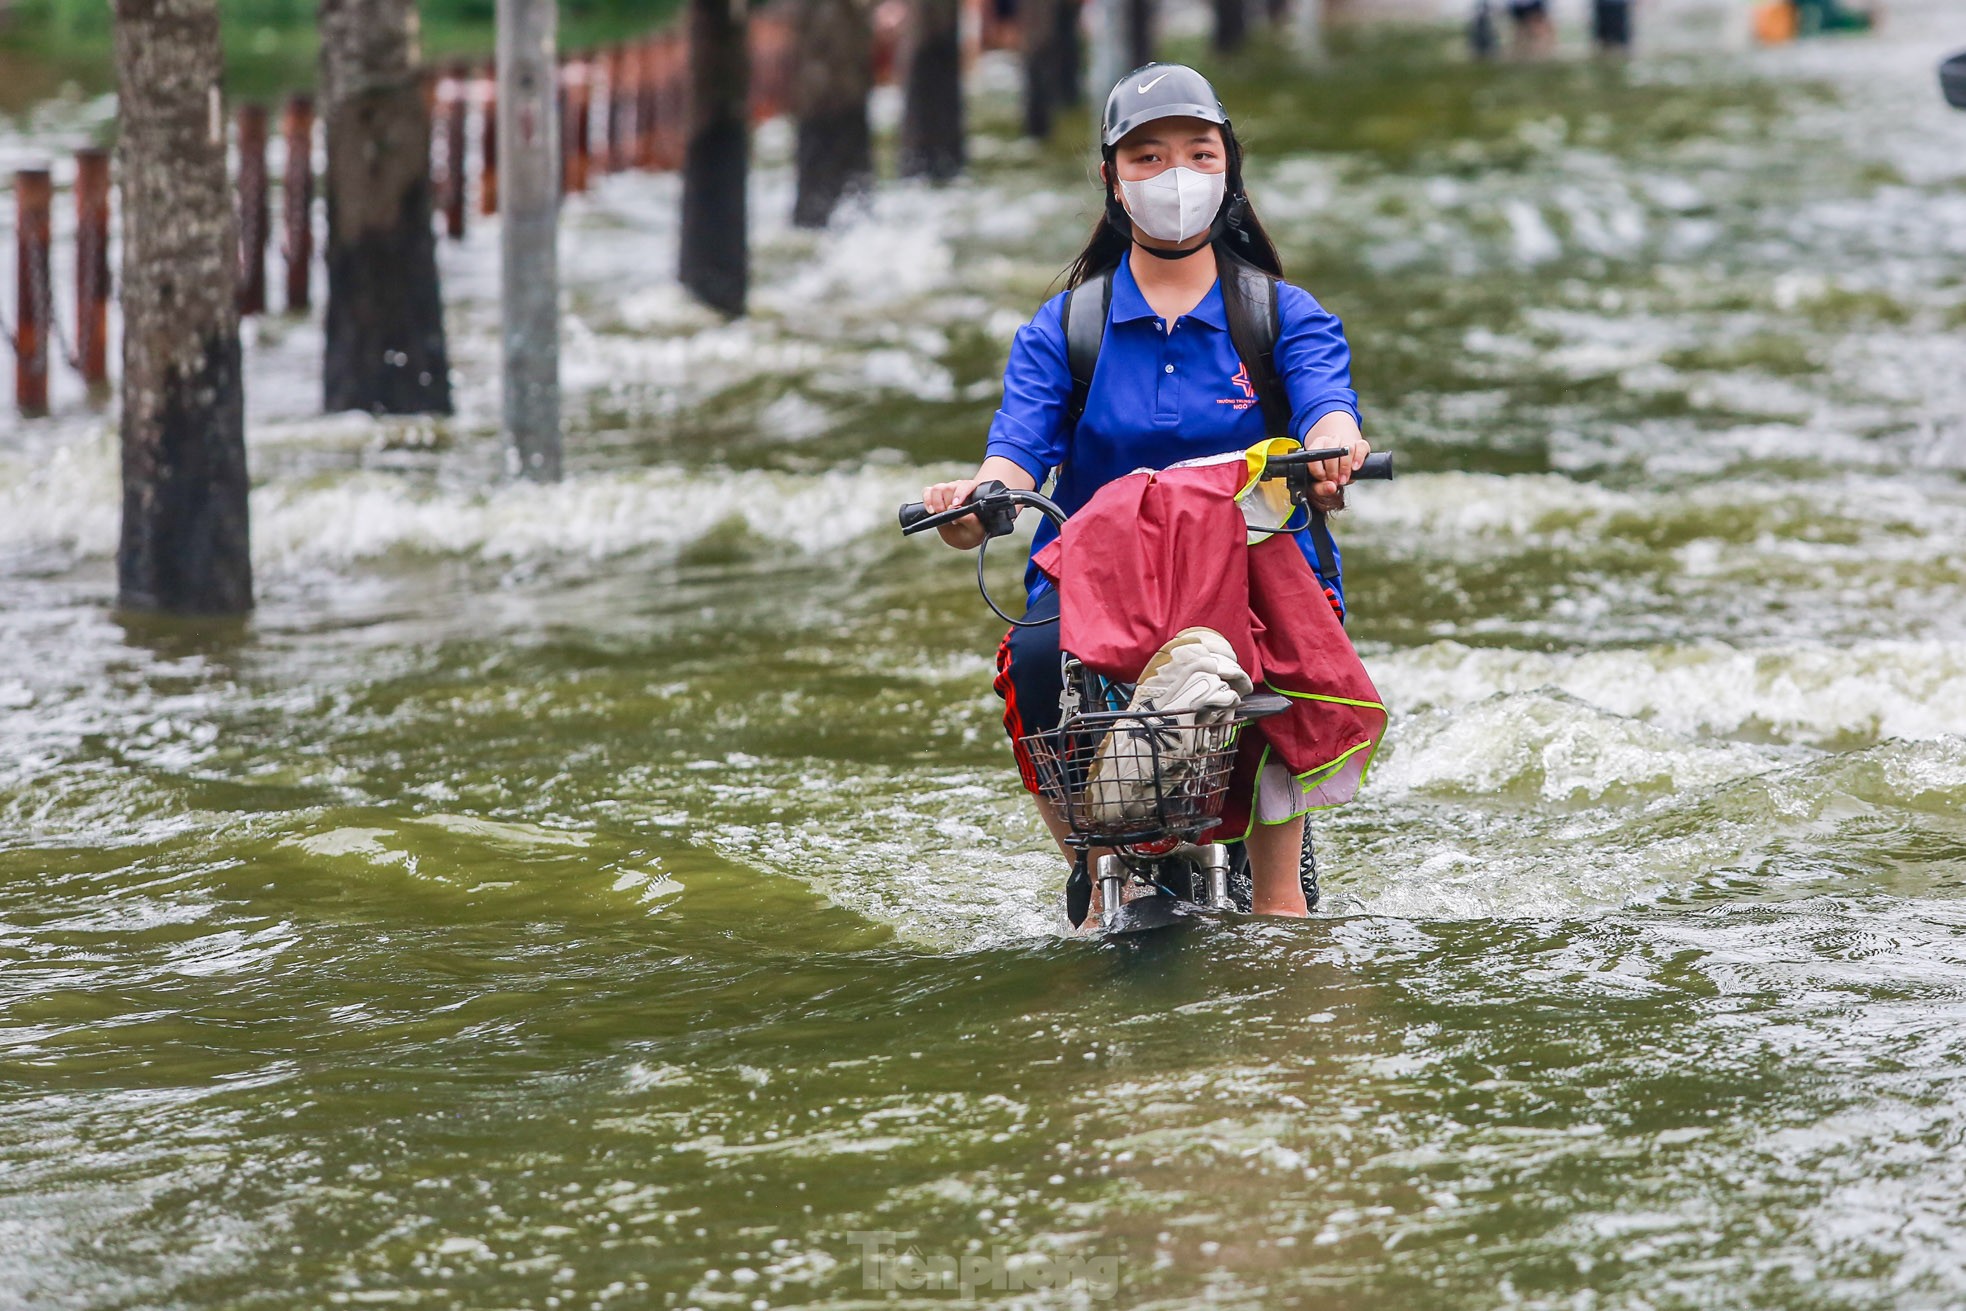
1125,776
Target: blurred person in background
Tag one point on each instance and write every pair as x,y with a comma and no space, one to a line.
1482,40
1611,26
1531,34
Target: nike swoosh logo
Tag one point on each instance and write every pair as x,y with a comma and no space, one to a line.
1145,87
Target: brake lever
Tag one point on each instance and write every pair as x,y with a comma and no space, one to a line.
994,509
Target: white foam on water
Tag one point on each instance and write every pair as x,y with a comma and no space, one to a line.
1548,749
68,503
1455,855
1814,695
63,498
365,516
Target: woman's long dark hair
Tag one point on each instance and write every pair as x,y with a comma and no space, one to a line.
1237,231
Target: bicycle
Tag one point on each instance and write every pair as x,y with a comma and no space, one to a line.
1140,787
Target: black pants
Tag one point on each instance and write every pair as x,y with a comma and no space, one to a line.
1611,23
1030,679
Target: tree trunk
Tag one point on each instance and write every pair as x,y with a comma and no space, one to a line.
833,72
529,170
385,320
1038,21
1231,25
1140,32
184,546
1310,30
932,119
716,157
1068,52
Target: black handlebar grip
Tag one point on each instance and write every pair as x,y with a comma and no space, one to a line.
1379,464
911,514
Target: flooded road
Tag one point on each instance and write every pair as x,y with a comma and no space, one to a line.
618,894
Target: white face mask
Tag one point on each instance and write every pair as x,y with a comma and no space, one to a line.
1175,204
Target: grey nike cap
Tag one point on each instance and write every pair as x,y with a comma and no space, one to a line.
1158,91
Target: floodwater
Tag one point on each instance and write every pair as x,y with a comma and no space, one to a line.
617,895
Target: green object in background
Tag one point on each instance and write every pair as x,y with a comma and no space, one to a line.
270,45
1817,16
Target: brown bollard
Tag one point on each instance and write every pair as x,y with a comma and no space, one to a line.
297,199
575,139
772,69
758,43
566,156
648,98
92,267
456,105
671,100
619,110
252,209
583,119
34,193
488,168
676,99
890,34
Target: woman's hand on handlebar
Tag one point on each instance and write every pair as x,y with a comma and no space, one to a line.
1330,476
966,534
963,534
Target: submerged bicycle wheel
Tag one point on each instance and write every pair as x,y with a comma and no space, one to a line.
1242,888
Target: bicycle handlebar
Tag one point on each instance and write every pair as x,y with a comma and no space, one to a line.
992,502
997,505
1378,465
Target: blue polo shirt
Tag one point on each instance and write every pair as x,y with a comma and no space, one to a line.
1161,394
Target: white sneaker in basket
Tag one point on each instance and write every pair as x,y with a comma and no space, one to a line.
1187,694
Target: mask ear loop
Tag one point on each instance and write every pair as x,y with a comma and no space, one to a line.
1232,223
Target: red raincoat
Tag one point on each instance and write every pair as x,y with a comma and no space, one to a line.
1154,553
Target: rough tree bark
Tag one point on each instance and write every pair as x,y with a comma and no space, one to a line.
184,540
1068,52
932,113
1231,25
833,71
1139,32
385,319
1038,21
716,157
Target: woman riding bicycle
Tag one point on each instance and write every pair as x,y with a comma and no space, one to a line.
1169,386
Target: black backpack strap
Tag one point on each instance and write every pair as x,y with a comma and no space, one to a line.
1249,299
1252,306
1085,332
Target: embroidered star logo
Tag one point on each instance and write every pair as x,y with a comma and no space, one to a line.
1241,379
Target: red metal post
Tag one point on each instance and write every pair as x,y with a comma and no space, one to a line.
297,198
92,266
890,32
672,100
620,110
34,194
648,103
252,209
455,102
575,139
488,169
758,40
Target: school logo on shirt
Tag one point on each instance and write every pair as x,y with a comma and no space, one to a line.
1240,379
